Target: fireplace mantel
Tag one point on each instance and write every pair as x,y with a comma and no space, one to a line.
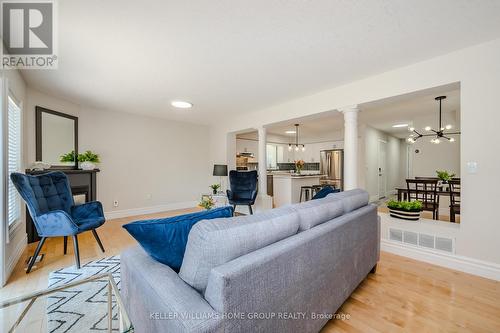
82,182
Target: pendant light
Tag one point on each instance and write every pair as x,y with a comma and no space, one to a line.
296,145
437,134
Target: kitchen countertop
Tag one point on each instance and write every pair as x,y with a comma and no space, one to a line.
294,176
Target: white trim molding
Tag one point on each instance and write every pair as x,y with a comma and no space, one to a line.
16,255
485,269
116,214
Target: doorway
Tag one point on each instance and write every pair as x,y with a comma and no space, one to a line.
382,169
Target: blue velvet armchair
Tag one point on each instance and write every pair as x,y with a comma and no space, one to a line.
51,206
243,190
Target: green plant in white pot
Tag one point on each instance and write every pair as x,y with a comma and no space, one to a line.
88,160
405,210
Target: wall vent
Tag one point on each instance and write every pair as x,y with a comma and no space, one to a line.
396,235
410,237
422,240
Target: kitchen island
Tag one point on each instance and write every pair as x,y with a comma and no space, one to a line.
286,187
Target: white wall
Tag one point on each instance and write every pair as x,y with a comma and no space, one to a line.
478,70
370,160
145,162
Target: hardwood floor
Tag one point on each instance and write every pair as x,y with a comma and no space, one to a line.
403,296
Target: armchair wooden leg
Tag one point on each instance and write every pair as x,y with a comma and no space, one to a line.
98,240
33,259
77,252
65,244
250,209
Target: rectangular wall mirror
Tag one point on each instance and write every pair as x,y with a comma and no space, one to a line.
56,135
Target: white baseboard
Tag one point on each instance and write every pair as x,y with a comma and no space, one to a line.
116,214
464,264
16,255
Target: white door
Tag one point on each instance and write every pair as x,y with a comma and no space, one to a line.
382,163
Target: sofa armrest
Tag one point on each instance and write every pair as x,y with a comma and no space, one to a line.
158,300
55,223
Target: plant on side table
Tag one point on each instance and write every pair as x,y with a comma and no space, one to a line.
88,160
406,210
215,188
207,203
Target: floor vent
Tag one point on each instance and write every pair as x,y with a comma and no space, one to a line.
422,240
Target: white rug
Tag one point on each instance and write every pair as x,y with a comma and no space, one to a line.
82,308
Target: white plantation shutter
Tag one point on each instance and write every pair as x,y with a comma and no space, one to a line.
14,158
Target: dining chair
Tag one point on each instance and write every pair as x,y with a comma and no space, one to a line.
425,191
53,210
454,188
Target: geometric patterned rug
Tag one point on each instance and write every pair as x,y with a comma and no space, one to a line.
82,308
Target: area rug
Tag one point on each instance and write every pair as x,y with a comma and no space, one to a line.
82,308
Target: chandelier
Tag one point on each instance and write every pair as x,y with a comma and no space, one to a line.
296,144
437,134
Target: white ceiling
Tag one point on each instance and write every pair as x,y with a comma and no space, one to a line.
233,56
408,109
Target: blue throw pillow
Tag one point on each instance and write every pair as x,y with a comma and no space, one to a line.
165,239
324,192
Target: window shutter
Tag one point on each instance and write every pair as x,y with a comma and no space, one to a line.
14,158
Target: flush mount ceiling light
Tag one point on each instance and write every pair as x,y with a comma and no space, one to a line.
181,104
400,125
438,134
296,144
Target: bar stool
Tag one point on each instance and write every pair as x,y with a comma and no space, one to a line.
306,190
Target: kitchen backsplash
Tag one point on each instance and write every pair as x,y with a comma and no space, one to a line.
291,166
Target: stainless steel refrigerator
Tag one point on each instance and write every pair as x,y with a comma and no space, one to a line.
332,167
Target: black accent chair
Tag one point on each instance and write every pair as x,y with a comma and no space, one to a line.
243,190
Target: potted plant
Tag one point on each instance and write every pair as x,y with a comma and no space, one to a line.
444,176
207,203
215,188
68,158
88,160
298,166
406,210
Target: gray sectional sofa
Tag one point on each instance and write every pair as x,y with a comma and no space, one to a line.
283,270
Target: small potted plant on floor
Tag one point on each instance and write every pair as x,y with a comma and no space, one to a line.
88,160
215,188
444,176
405,210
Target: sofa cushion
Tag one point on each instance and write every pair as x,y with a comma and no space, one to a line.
324,192
165,239
215,242
352,199
318,211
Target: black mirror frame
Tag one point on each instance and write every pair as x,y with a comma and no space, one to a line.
38,134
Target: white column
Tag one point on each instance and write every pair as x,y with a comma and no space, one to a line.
350,146
262,161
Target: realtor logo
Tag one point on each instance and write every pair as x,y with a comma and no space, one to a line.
28,34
